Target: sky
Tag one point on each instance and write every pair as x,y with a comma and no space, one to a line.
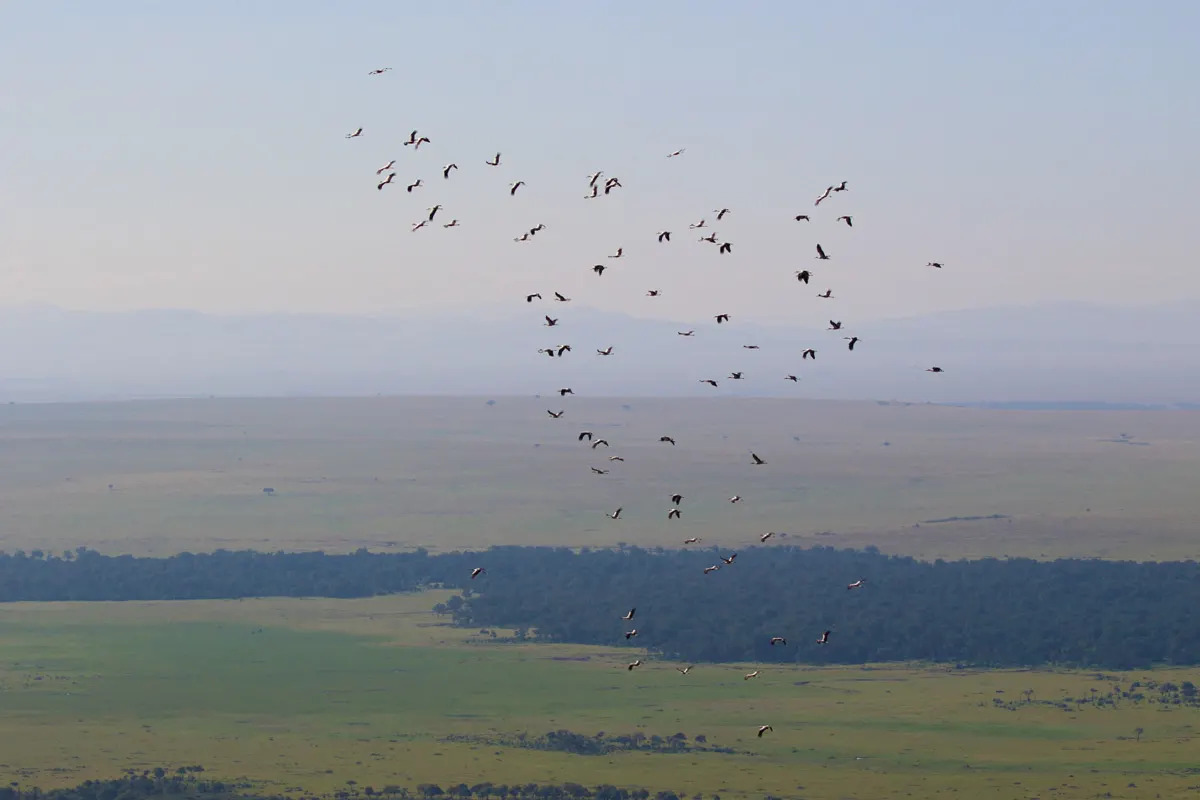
193,155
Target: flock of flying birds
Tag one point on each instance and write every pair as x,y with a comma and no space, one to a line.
598,186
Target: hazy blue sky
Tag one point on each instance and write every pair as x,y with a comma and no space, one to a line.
192,155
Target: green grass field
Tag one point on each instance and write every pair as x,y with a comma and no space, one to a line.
449,473
298,694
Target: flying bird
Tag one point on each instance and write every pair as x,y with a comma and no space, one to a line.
637,663
824,638
380,71
720,213
412,138
827,294
553,414
615,458
685,333
676,499
666,439
856,585
585,435
802,218
729,560
834,326
809,353
652,293
674,513
494,162
561,298
536,228
853,340
599,442
420,225
735,376
763,729
721,318
840,188
629,616
415,185
711,238
665,236
551,322
737,498
433,211
446,170
630,634
691,540
803,276
684,670
614,515
766,536
475,573
778,640
791,378
354,135
595,192
529,298
386,182
565,392
934,264
935,369
725,248
711,569
599,471
599,269
750,675
757,459
451,224
709,381
418,142
751,347
699,224
821,253
605,352
512,187
678,152
828,192
386,167
595,176
847,219
524,237
619,253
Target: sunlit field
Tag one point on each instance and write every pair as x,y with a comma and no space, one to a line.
309,694
452,473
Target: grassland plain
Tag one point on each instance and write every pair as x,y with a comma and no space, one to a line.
452,473
307,694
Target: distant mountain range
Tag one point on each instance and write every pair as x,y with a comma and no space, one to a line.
1019,357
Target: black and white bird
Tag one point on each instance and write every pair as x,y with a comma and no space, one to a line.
390,176
446,170
763,729
475,573
414,185
354,135
809,353
721,318
824,638
614,515
494,162
721,212
433,211
678,152
856,585
821,253
634,664
512,187
451,224
757,459
803,275
847,219
380,71
853,340
386,167
778,640
629,615
608,351
664,236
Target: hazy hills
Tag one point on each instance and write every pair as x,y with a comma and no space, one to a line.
1061,352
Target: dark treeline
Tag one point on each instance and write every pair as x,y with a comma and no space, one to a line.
988,612
183,783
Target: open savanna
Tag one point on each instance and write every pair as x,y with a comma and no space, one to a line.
307,694
454,472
